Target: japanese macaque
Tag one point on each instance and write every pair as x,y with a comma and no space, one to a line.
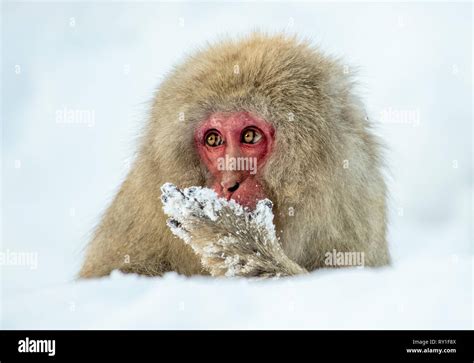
273,128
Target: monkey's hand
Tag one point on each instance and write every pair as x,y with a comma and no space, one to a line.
230,239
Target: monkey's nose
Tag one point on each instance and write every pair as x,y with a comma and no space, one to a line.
230,182
234,188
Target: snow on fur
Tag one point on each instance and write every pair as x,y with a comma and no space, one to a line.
230,239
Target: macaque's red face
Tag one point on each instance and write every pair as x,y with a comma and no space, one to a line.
234,147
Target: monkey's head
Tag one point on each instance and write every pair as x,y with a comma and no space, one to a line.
264,116
234,147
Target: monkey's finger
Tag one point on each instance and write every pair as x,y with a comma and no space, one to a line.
179,230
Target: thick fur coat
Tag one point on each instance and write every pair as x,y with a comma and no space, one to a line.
324,176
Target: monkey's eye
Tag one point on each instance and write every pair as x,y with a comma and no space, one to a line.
213,139
251,136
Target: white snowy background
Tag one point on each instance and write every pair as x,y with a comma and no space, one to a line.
109,57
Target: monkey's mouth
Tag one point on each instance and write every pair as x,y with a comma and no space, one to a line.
234,188
245,192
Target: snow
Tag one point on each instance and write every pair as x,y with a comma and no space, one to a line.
58,176
412,296
190,206
263,216
181,204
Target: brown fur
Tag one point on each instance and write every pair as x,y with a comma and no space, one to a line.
320,125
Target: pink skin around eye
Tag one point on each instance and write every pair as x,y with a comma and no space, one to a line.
235,166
